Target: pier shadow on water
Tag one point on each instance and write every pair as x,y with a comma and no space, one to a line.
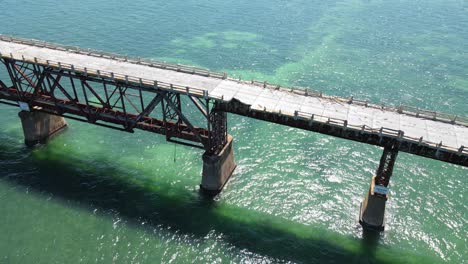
186,211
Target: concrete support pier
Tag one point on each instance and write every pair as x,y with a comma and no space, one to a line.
38,127
217,169
372,212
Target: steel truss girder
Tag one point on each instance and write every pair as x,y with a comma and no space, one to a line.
57,91
387,162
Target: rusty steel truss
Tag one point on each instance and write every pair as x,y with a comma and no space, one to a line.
114,103
387,162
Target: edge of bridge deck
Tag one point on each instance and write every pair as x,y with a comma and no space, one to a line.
330,121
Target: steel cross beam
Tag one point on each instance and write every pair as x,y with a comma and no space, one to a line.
113,103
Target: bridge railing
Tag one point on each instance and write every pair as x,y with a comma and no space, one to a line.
112,56
401,109
417,112
114,76
381,132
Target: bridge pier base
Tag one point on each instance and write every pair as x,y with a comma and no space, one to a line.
38,127
372,212
217,169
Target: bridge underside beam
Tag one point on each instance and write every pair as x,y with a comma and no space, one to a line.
109,118
335,130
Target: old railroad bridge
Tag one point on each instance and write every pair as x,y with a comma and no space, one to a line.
49,82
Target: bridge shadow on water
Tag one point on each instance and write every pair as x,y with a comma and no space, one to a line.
190,213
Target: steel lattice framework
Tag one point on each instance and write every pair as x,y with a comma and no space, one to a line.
114,103
387,162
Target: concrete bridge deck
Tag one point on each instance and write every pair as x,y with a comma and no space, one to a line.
425,133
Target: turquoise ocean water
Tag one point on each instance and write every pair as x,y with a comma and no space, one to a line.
94,195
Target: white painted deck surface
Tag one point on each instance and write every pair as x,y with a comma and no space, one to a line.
270,100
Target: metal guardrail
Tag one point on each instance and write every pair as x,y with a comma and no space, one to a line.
112,56
401,109
382,131
115,76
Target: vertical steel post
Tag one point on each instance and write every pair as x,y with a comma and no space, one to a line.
13,76
387,161
218,160
218,132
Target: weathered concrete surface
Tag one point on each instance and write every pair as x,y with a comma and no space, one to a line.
217,169
38,127
372,214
